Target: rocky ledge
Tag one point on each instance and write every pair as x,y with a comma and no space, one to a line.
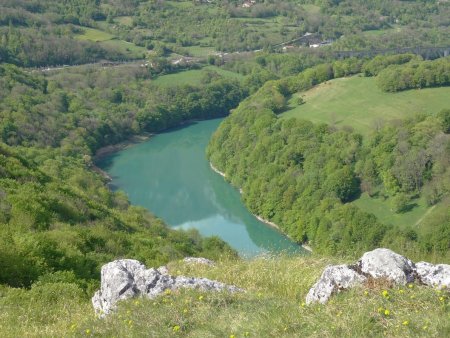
128,278
377,264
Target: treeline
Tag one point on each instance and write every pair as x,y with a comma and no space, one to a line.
39,47
423,74
303,176
83,110
60,223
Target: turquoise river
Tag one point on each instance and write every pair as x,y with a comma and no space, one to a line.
170,176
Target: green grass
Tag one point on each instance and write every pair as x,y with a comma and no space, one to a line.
126,47
359,103
381,207
311,9
124,20
199,51
272,306
192,77
108,40
93,34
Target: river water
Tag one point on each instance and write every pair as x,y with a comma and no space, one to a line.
170,176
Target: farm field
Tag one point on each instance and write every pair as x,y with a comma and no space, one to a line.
95,35
111,41
381,207
358,102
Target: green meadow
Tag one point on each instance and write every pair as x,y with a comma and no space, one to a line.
273,305
358,102
111,41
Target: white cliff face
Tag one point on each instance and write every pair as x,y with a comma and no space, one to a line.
379,263
128,278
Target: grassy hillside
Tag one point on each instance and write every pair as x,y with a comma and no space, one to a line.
272,306
111,41
358,102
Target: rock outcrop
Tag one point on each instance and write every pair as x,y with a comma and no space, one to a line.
334,278
127,278
376,264
385,263
434,275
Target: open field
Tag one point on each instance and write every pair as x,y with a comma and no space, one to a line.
124,20
357,102
381,207
199,51
95,35
192,77
111,41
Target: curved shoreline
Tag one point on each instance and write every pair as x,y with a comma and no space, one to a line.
272,224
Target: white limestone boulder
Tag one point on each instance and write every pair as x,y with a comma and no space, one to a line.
128,278
334,279
385,263
434,275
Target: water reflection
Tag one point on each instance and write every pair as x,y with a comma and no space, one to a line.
170,176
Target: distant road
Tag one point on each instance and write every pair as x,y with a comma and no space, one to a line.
425,52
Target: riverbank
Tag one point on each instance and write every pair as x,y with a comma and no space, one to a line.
259,218
113,148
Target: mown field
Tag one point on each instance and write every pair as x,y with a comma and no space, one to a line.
381,207
359,103
272,306
109,40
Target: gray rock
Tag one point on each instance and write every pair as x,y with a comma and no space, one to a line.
434,275
127,278
379,263
385,263
163,270
198,260
334,278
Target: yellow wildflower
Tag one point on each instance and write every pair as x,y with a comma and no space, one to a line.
88,331
410,286
405,322
387,312
200,298
176,328
385,293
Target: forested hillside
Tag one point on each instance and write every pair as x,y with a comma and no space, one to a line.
303,176
44,33
59,221
77,76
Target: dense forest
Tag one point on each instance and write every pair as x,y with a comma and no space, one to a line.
57,214
304,176
79,76
59,221
44,33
